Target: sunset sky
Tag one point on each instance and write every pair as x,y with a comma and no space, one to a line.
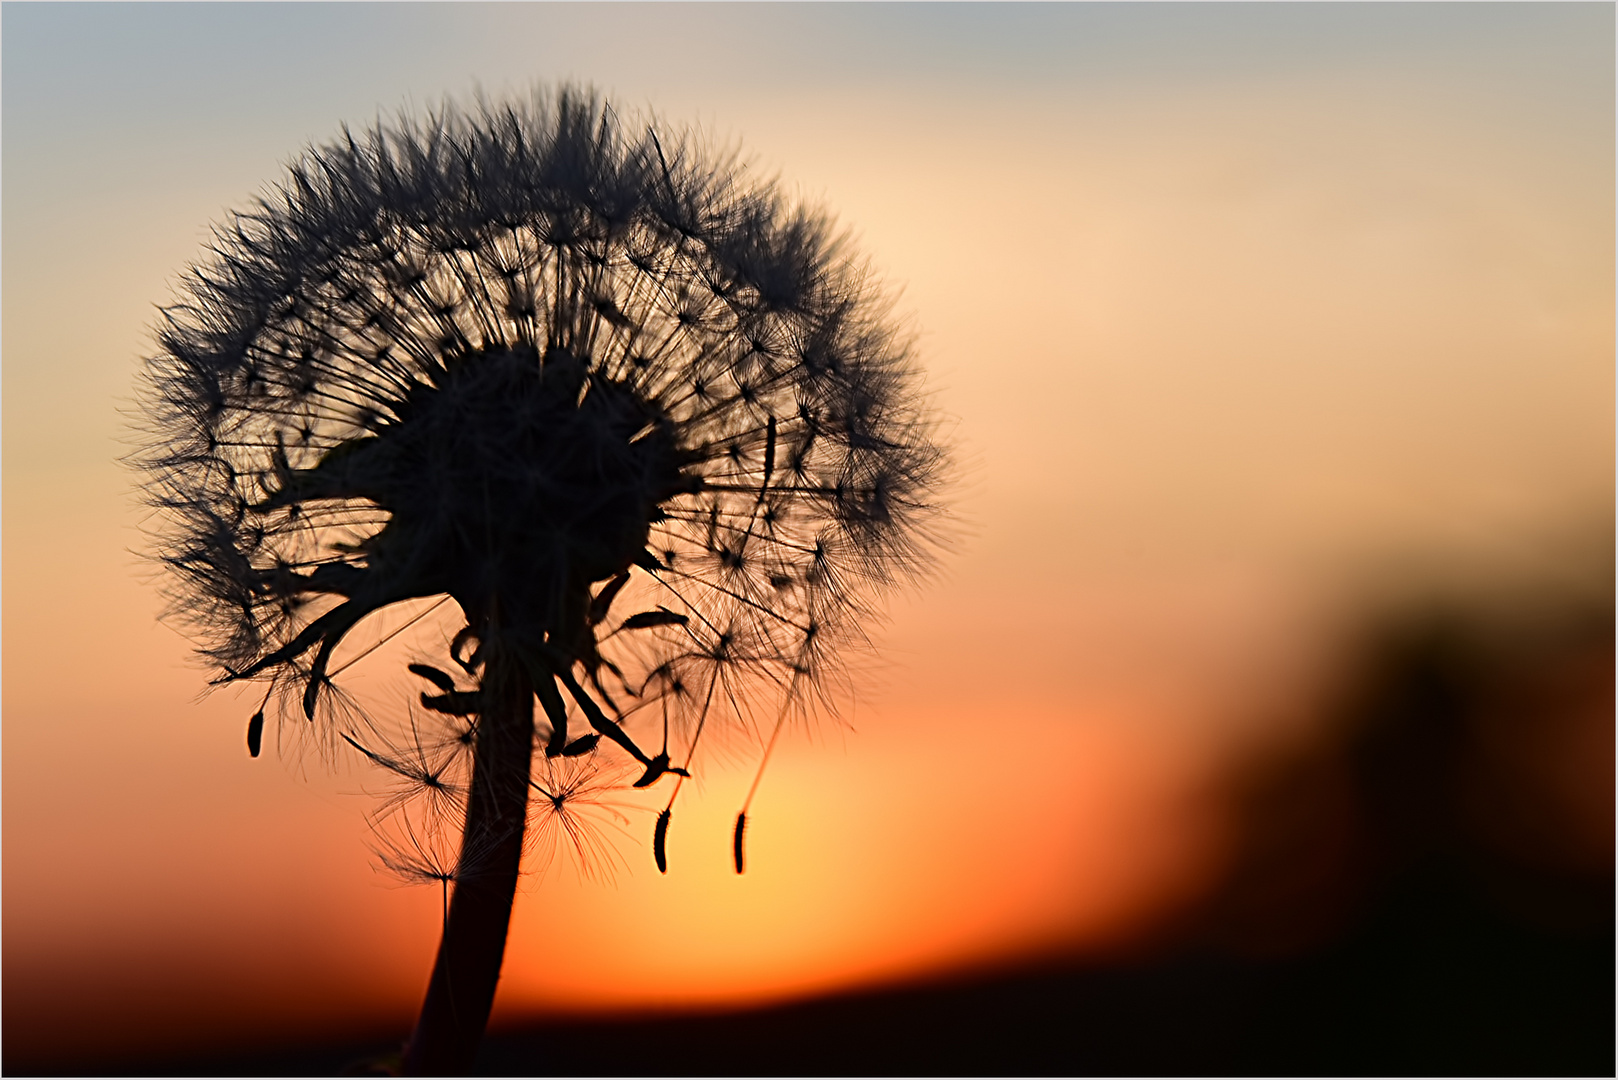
1242,316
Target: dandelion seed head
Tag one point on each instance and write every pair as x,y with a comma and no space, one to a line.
520,355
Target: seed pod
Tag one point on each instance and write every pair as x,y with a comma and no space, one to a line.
741,829
603,600
642,620
454,703
582,745
769,456
438,678
660,839
255,733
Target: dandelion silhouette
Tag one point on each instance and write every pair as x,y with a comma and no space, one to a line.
645,424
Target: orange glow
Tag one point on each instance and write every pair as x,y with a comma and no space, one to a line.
905,858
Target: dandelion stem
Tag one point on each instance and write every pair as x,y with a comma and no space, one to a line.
461,991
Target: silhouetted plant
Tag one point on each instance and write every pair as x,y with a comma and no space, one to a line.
525,359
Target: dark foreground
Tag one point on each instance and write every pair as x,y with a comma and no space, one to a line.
1428,988
1411,898
1423,999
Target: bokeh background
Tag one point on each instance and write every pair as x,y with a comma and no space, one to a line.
1277,344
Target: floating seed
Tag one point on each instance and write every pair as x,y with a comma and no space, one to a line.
660,839
255,733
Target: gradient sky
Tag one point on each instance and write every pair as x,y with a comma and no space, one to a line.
1239,312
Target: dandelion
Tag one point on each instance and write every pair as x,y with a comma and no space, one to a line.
647,425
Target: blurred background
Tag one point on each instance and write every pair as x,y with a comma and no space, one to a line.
1260,715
